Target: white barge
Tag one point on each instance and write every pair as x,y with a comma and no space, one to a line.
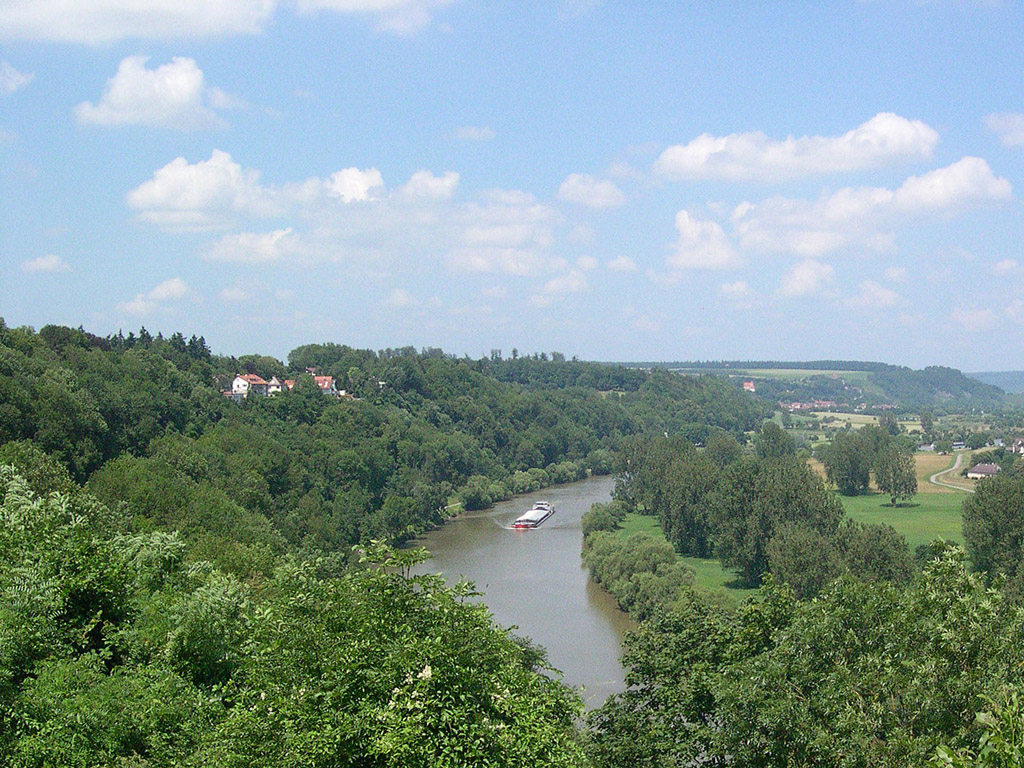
540,512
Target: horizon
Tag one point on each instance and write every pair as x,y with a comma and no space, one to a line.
738,181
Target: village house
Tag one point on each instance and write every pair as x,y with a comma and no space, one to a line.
981,471
246,383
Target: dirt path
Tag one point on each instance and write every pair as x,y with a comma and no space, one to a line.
956,465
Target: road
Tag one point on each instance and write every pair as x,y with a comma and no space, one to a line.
956,465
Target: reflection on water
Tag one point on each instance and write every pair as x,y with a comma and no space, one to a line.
534,580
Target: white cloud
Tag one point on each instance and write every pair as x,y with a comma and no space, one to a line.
398,298
253,247
48,263
806,278
175,288
233,295
510,234
355,185
147,303
206,195
880,141
173,95
423,185
399,17
862,216
964,182
98,21
895,274
1005,266
1009,127
574,281
586,263
474,133
738,290
974,319
622,264
873,296
11,79
583,189
702,244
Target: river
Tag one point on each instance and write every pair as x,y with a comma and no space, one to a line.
535,580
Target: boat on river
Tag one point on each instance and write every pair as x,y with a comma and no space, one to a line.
540,512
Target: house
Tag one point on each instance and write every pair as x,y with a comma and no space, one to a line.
959,445
275,385
326,384
748,386
246,383
980,471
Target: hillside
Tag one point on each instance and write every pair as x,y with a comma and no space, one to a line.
1011,382
853,384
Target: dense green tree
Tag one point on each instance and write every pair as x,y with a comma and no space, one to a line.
896,474
848,461
772,442
866,675
994,524
754,497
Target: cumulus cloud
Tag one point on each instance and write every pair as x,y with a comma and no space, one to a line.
574,281
805,279
233,295
48,263
586,263
622,264
1009,127
583,189
11,79
474,133
1005,266
399,17
702,244
205,195
873,296
973,319
398,298
895,274
882,140
424,185
355,185
509,233
253,247
147,303
863,216
737,290
98,21
173,95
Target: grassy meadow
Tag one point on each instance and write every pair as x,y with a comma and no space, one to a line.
933,513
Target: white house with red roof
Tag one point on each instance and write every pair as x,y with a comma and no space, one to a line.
246,383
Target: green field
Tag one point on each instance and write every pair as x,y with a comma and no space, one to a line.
797,374
928,516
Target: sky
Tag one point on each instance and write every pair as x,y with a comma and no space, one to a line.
612,180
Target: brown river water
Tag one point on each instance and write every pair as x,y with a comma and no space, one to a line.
534,580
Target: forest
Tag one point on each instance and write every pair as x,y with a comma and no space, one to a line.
188,580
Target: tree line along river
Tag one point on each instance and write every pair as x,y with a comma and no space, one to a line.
534,580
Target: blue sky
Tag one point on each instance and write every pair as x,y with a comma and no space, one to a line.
617,181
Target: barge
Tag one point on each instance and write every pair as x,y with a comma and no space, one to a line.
540,512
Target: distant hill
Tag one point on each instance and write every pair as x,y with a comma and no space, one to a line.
1009,381
852,383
